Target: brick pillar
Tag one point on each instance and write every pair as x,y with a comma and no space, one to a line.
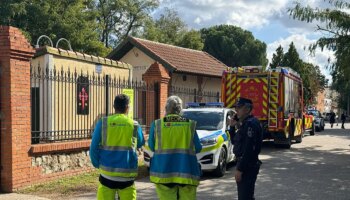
156,73
15,55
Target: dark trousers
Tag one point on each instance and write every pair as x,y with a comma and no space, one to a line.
246,186
115,184
342,124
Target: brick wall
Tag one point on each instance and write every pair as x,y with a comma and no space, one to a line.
15,53
16,150
156,74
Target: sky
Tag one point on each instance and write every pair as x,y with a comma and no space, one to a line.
268,20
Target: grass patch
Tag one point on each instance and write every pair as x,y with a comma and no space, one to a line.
73,185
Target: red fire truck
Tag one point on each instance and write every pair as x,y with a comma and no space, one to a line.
277,97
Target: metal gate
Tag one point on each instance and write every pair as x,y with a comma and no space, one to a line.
66,105
194,95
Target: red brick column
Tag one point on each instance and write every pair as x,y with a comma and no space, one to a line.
156,73
15,55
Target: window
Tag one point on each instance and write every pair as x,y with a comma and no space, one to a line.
206,120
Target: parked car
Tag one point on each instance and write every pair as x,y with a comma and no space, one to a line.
326,116
212,129
319,121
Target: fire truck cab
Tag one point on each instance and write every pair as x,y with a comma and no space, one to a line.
277,97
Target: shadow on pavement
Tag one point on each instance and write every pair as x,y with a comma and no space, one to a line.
309,172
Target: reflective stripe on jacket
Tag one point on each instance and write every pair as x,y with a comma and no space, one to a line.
118,155
174,159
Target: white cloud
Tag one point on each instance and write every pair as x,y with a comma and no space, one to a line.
244,13
257,15
301,43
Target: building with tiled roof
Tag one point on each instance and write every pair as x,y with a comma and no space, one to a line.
188,68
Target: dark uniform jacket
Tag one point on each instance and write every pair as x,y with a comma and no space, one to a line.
247,143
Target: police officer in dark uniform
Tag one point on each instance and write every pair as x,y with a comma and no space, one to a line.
247,133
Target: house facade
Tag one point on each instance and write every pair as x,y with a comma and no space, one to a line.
194,75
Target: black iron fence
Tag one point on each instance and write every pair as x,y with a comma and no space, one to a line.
67,103
194,95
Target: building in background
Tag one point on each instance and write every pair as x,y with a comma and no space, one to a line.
195,75
327,101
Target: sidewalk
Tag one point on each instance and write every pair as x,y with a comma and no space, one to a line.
144,187
15,196
145,190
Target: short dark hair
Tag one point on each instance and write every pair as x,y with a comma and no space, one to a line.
121,102
249,106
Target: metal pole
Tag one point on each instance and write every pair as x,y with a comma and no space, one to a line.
107,94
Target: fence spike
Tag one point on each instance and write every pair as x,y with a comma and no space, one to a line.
68,73
62,70
47,69
39,68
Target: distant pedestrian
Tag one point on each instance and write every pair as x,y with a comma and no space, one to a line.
332,119
247,146
343,118
113,151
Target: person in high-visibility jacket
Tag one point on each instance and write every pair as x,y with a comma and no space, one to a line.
174,167
113,151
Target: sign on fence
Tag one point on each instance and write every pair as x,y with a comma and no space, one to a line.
98,69
83,96
130,93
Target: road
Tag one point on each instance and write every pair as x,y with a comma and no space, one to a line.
318,168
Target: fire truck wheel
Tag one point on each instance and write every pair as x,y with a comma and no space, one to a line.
299,139
312,132
285,143
221,168
289,143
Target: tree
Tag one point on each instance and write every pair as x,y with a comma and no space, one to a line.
191,39
170,29
171,26
117,18
70,19
335,22
323,82
234,46
291,59
277,58
312,85
166,29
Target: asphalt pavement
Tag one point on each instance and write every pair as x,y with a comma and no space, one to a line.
316,169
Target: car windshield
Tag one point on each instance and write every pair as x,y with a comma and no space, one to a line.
314,112
206,120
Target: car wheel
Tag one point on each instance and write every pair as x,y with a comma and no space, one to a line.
288,144
312,132
322,127
318,129
221,168
299,138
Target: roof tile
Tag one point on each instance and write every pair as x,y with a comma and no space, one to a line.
185,60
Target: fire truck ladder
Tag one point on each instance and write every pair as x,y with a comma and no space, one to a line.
273,99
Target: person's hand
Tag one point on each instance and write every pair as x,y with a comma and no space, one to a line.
233,121
238,175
